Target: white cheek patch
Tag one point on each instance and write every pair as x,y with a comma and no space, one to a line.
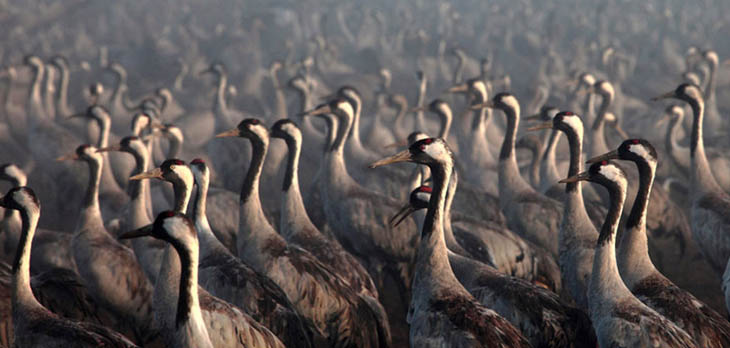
436,150
184,173
512,102
613,173
347,108
445,109
607,87
176,132
641,151
423,197
481,89
292,130
14,172
575,123
589,79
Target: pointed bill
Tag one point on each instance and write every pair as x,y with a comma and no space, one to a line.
462,88
487,104
403,156
545,125
418,109
401,215
140,232
324,109
154,173
110,148
605,157
668,95
69,157
580,177
229,133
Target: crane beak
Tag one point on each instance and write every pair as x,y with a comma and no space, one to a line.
397,144
668,95
229,133
110,148
80,114
488,104
462,88
545,125
324,109
154,173
605,157
532,118
580,177
140,232
401,215
403,156
69,157
418,109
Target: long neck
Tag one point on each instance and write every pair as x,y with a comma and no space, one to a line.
183,191
420,123
633,253
292,207
433,271
606,282
599,138
711,83
209,243
139,189
22,293
62,96
670,141
589,106
7,101
253,225
547,165
449,237
91,199
175,147
120,88
402,109
187,300
355,125
701,174
336,164
35,88
445,125
104,128
220,100
510,178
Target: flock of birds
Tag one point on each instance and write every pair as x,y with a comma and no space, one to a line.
170,231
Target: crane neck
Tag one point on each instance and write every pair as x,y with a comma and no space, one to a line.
182,191
293,210
589,106
35,88
50,89
22,294
633,254
702,176
104,123
119,90
670,140
253,224
420,121
433,270
62,95
548,167
188,296
606,283
598,138
446,119
91,199
220,100
354,125
402,110
711,83
175,147
7,101
139,189
510,178
449,237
